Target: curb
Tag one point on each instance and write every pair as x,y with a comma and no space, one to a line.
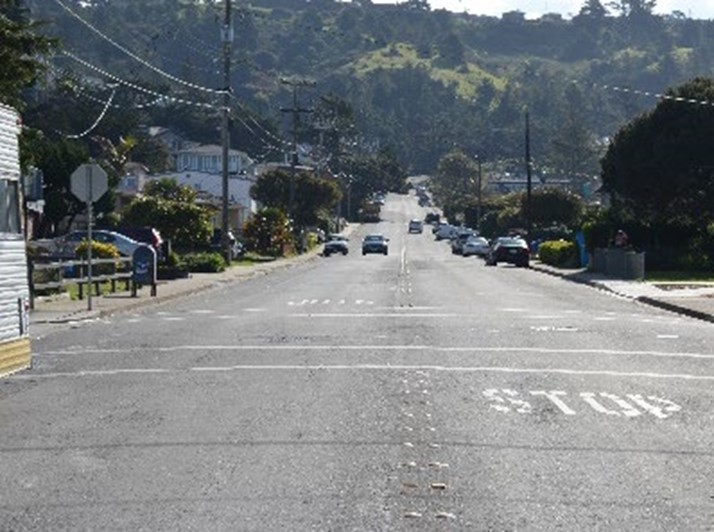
676,308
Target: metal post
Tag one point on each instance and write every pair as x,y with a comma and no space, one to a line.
227,38
528,175
89,237
478,195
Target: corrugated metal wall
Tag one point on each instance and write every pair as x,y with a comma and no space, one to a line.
13,258
13,286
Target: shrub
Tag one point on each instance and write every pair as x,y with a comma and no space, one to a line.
100,250
205,262
559,253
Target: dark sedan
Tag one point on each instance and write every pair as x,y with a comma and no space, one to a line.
509,250
375,243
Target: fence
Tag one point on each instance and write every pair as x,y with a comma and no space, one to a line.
58,274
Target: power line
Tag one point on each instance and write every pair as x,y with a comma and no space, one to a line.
97,121
137,58
138,87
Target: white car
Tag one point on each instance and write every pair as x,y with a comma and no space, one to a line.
445,232
476,245
416,226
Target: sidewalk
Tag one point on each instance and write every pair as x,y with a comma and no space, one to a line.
695,300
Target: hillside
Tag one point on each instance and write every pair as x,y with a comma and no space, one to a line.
419,81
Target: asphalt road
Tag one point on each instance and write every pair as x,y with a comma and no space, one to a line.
414,391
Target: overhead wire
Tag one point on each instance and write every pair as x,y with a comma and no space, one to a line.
96,122
138,87
139,59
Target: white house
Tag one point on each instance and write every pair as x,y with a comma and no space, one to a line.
208,159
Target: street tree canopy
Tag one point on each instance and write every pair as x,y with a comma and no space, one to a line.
660,167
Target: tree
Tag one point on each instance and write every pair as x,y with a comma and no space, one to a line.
20,53
455,178
553,207
661,166
314,196
268,232
171,209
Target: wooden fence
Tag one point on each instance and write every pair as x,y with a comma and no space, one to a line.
58,274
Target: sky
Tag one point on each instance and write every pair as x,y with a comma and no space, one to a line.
699,9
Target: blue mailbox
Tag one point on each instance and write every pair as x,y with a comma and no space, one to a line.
143,268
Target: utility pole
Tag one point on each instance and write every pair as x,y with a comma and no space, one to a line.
295,110
227,39
528,177
478,192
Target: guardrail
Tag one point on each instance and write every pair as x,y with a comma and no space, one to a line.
76,272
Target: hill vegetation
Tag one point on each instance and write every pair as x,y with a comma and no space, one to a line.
419,81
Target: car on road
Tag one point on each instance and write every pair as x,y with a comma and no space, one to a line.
458,240
512,250
432,218
476,245
416,226
375,243
335,244
445,232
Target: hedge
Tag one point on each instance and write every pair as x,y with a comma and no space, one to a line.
559,253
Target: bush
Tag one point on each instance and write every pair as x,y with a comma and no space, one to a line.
100,250
205,262
559,253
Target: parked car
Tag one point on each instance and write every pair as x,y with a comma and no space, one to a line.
335,244
145,235
65,246
459,239
476,245
432,218
512,250
236,246
375,243
445,232
416,226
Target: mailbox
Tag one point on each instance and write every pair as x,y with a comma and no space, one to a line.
143,268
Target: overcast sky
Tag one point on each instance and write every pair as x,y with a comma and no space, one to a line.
701,9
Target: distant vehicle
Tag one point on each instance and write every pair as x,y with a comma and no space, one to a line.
335,244
432,217
236,246
476,245
460,238
375,243
511,250
66,246
445,232
416,226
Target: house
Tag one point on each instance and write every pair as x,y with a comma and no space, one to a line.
208,159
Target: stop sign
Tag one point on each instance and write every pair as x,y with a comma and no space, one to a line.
89,182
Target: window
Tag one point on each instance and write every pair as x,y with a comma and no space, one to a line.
9,207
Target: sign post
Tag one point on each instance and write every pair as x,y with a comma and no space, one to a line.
89,183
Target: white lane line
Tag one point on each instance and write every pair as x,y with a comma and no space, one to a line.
426,348
371,315
668,336
369,367
255,310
